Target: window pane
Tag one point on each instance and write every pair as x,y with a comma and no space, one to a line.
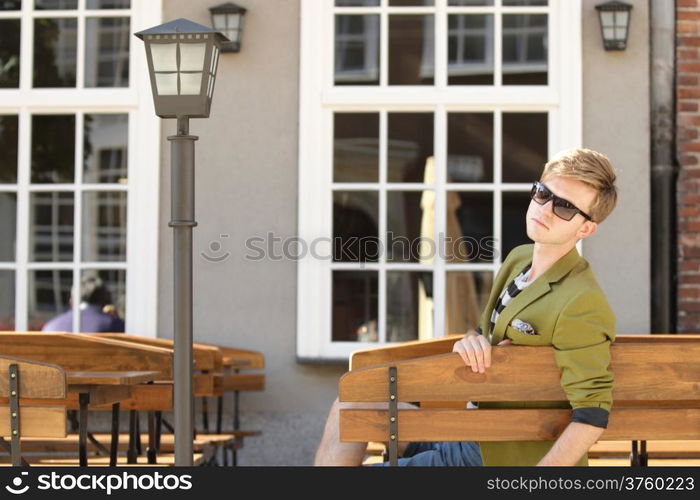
469,2
411,50
410,226
469,235
470,147
411,3
520,3
409,305
8,227
10,4
355,296
55,52
107,52
356,226
9,140
466,295
357,50
524,146
525,49
55,4
109,301
53,148
51,230
357,3
410,146
470,49
104,227
9,52
356,147
7,300
108,4
105,144
49,297
515,207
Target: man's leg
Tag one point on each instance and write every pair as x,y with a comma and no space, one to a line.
331,451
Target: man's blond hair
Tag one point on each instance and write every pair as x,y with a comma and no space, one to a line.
591,168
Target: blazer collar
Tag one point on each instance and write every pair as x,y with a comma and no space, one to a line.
534,291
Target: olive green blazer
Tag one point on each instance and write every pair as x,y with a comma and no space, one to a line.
568,310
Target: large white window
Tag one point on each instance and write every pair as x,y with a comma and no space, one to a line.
79,170
423,125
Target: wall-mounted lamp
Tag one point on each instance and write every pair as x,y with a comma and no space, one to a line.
614,24
228,19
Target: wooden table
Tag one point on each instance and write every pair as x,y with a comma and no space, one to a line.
95,388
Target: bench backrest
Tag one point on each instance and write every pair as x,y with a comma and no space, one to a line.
656,395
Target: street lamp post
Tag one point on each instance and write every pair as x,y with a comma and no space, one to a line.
182,59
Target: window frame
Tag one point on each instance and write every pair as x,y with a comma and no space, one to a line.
141,264
319,99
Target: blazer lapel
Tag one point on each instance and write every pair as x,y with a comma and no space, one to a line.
533,292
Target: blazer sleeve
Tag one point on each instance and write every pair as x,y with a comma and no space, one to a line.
582,337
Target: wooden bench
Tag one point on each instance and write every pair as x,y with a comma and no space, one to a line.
656,394
218,370
30,396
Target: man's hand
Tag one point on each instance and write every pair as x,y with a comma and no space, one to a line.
475,350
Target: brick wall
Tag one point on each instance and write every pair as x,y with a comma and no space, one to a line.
688,151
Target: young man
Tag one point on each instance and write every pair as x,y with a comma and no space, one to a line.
544,294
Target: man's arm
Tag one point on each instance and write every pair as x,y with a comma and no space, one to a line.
576,440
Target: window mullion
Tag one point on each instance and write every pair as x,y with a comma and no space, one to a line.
383,174
23,220
440,222
77,218
441,65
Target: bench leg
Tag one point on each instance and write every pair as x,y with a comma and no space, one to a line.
131,451
152,450
83,400
159,428
114,445
236,423
205,415
219,413
643,456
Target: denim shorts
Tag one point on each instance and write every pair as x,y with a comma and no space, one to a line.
447,454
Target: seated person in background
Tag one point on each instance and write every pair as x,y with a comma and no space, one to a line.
94,298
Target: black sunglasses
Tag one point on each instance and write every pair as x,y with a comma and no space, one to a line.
562,208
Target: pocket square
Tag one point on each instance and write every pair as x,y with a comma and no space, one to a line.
523,327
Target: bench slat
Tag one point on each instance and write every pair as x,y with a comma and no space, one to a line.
36,379
36,421
514,425
658,371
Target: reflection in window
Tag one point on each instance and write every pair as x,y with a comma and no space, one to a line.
114,280
357,3
470,147
11,5
515,207
355,226
9,52
470,49
523,3
469,226
107,52
105,148
356,147
409,305
104,227
356,50
9,141
55,4
7,300
51,230
355,296
49,296
466,295
525,49
108,4
411,3
53,148
410,226
411,50
469,3
55,52
524,146
411,144
8,226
